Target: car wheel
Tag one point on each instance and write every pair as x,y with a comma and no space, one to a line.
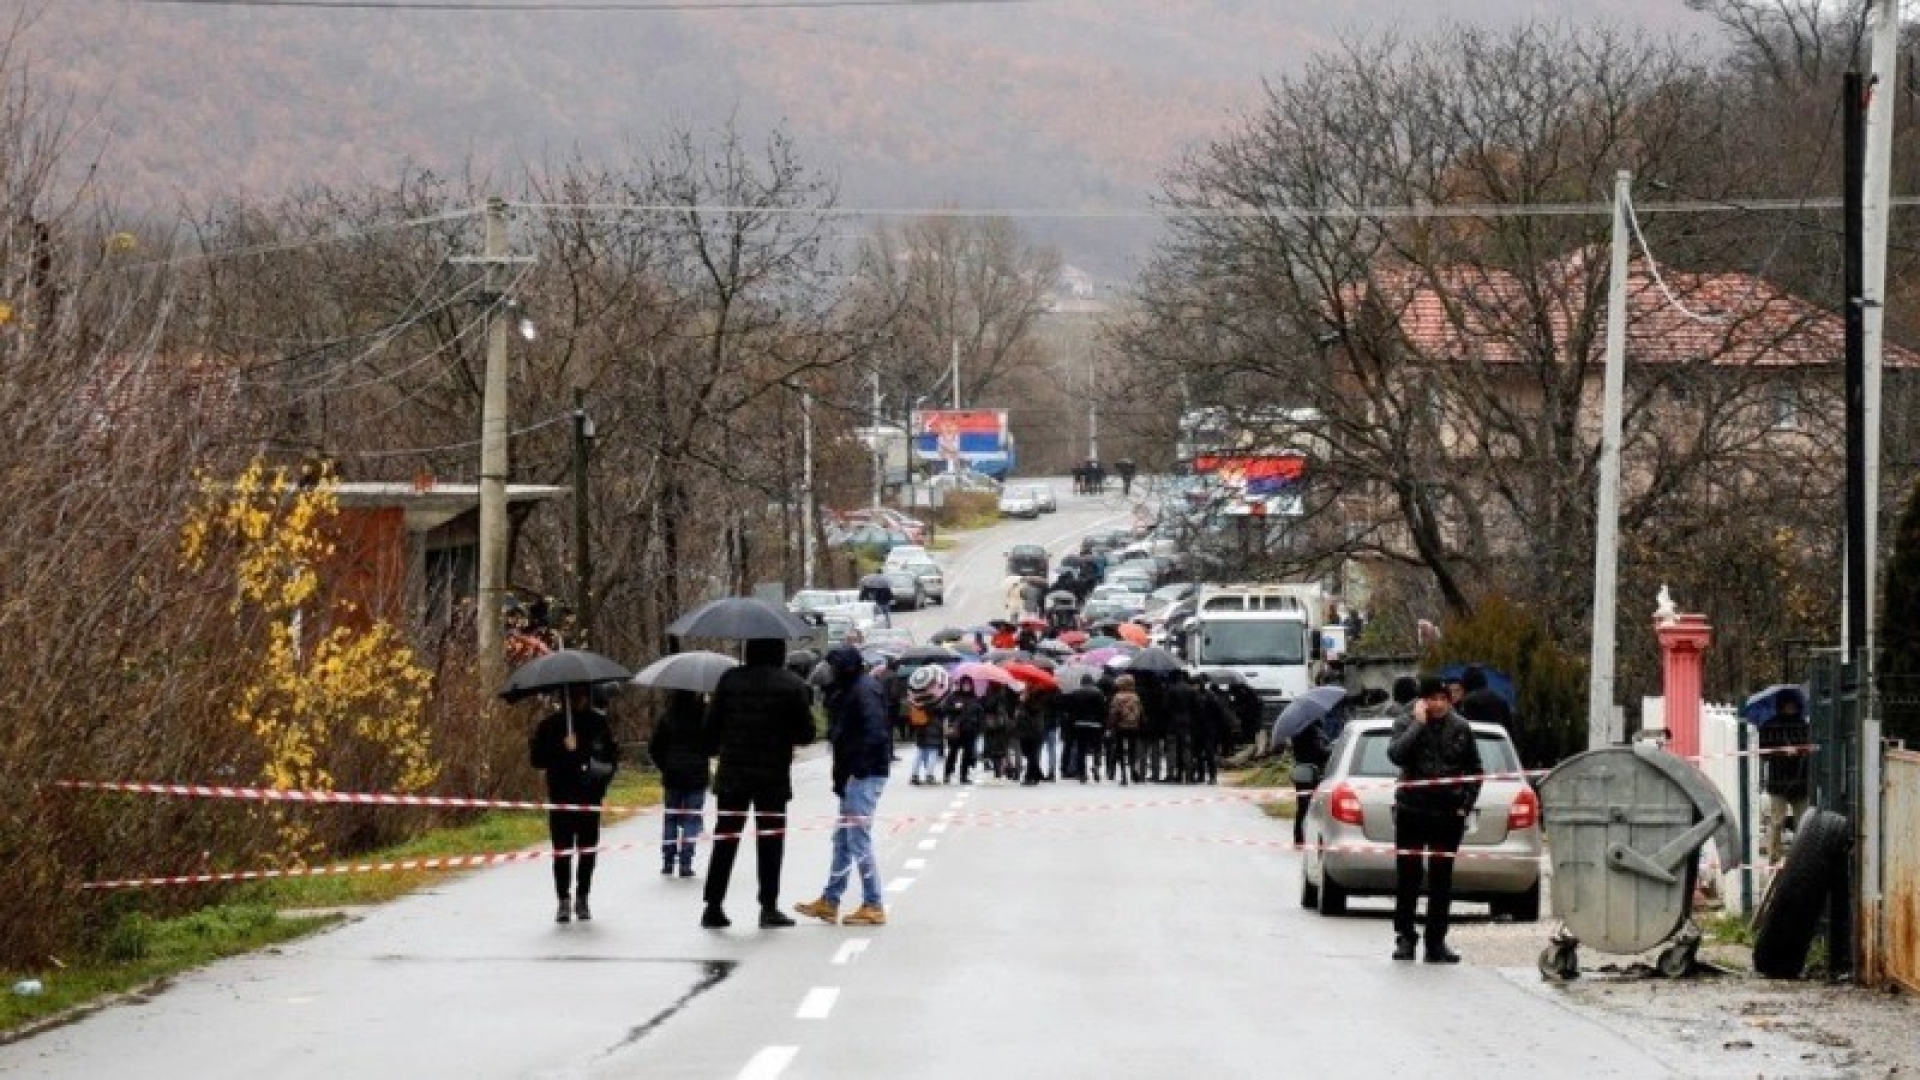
1522,908
1309,892
1333,898
1784,924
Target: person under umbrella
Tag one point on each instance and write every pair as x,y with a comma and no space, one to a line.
679,748
760,713
1785,738
575,747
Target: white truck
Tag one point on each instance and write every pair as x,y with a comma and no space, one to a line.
1265,632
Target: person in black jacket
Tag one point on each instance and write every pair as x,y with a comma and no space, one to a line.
1431,743
680,751
1481,704
576,749
862,756
760,712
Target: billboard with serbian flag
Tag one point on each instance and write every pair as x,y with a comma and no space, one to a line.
952,440
1257,484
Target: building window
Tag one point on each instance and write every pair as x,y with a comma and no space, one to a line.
1786,408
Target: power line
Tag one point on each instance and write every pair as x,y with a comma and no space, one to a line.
577,6
1328,213
303,243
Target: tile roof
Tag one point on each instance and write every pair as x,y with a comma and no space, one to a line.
1486,314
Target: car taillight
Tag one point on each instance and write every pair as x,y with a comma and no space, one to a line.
1345,806
1525,813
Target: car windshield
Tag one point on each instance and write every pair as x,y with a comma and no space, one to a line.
1269,642
1496,755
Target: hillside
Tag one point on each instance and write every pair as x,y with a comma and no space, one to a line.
1071,104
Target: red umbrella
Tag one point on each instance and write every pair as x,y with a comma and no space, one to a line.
1035,678
1075,638
985,673
1135,633
1031,623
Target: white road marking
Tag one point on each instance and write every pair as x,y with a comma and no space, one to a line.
850,949
947,815
901,884
916,864
956,804
769,1063
818,1004
937,827
929,845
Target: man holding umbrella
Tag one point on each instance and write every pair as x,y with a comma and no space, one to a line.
759,714
862,753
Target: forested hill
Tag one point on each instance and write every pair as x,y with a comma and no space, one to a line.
1054,103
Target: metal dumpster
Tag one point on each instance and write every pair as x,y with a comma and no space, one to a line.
1624,829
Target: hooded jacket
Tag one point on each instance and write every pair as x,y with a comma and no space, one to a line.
760,712
858,728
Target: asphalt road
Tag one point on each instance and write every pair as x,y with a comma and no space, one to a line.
1057,931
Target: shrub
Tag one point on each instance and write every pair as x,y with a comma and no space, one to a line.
1550,716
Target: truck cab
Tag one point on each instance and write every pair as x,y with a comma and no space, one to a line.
1267,633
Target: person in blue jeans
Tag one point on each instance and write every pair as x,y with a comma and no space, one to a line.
681,750
862,755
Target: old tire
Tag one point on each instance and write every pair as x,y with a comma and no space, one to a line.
1783,926
1333,898
1309,892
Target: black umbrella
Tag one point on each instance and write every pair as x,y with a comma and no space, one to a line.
1154,662
951,633
876,581
928,654
559,670
740,618
1222,677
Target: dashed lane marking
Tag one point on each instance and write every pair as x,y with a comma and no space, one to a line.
929,845
937,827
769,1063
818,1004
899,885
916,864
849,950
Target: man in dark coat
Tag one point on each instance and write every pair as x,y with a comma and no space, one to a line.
862,756
1432,743
760,712
1785,741
576,749
680,751
1480,704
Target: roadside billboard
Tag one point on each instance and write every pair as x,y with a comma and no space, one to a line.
951,440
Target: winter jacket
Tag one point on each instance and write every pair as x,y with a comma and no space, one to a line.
932,735
1483,706
1029,717
567,778
758,715
965,716
858,728
679,746
1433,750
1086,708
1784,775
1124,713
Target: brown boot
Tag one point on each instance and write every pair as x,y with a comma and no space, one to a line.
866,915
819,909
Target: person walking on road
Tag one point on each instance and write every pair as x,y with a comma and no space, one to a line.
575,747
680,750
926,717
1125,717
1433,744
862,752
963,721
760,713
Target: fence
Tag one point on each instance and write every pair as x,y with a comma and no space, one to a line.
1900,902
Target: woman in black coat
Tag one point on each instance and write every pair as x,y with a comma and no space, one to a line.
576,749
681,750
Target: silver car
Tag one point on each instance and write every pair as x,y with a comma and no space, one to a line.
933,584
1349,827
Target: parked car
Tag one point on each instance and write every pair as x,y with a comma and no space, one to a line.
964,480
1018,502
1132,576
906,553
1106,540
1349,827
1113,603
933,582
890,519
1027,560
873,541
891,639
1043,495
814,601
908,593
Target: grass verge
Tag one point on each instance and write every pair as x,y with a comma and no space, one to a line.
141,950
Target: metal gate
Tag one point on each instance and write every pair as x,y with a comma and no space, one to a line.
1900,825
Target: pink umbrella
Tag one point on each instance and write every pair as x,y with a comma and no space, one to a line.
1099,656
986,673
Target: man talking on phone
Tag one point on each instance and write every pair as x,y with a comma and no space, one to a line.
1439,785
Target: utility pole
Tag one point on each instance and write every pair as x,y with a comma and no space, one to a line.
582,550
807,524
1606,539
879,448
493,456
956,373
1876,200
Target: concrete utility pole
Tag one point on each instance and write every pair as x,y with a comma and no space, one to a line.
879,445
1606,539
956,373
493,456
582,550
807,524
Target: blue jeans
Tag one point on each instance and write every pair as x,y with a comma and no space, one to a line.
853,842
682,824
927,763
